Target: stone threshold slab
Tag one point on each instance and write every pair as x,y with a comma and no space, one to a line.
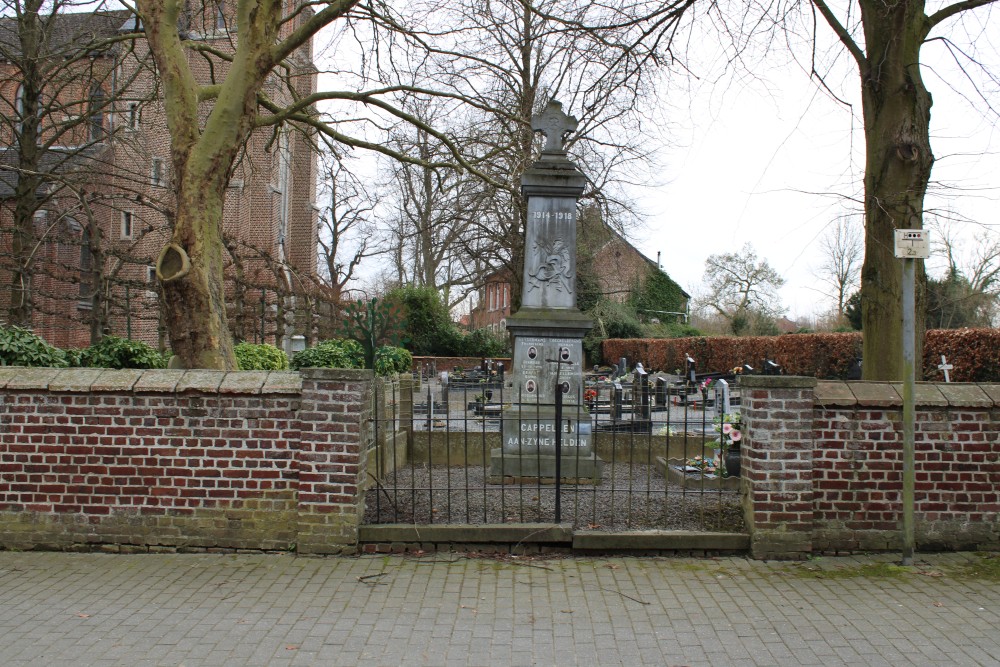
556,535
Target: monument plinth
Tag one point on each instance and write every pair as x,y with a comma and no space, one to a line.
548,329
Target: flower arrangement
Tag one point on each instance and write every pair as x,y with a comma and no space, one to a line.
590,395
730,430
706,385
705,465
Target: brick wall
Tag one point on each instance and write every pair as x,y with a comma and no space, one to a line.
182,459
822,466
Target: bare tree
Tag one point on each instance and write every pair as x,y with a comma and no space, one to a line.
59,83
884,43
968,292
505,60
347,234
843,251
741,288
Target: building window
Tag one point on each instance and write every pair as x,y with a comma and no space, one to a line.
127,218
133,116
86,268
19,106
97,100
156,178
220,15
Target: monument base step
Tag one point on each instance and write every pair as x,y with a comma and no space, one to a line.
507,468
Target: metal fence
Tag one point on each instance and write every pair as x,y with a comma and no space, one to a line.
662,446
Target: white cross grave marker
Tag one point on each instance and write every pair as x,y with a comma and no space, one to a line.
944,367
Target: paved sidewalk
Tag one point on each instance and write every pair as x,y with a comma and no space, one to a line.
447,609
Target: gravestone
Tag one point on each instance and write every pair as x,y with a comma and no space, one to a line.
723,402
617,398
548,329
641,407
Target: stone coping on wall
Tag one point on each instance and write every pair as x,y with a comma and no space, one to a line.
150,381
833,394
13,378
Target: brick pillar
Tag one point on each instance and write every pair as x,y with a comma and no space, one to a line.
334,418
777,464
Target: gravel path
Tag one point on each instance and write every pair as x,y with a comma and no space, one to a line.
630,498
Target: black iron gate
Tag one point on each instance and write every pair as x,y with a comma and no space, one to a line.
669,451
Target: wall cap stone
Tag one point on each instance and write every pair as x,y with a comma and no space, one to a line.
75,379
282,382
924,393
205,381
31,378
7,373
113,379
876,394
777,382
834,394
346,374
159,380
965,395
243,382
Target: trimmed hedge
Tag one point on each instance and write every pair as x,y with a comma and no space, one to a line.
975,353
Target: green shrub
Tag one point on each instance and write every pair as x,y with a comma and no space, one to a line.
114,352
336,353
389,360
484,343
252,357
20,347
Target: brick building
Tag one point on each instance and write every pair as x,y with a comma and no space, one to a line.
618,268
104,204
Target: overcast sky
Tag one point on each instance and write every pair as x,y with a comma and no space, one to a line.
772,162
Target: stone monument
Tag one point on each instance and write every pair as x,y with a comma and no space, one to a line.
548,329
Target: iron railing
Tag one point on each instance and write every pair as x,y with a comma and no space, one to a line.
660,444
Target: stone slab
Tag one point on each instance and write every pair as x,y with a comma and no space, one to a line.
159,381
114,379
542,468
282,382
834,394
877,394
660,540
201,380
31,378
7,373
965,395
525,533
991,390
75,379
669,469
924,394
243,382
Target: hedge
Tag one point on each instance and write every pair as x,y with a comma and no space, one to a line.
974,353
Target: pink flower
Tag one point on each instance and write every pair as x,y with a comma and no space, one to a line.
735,435
727,428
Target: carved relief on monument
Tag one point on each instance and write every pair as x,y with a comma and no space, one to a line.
551,265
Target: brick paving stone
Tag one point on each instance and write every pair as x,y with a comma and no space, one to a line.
446,609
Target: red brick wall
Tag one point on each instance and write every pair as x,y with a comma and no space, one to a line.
181,459
837,485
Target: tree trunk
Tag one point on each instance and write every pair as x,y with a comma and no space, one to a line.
897,169
191,271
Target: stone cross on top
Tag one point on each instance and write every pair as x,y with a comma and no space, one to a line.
554,123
